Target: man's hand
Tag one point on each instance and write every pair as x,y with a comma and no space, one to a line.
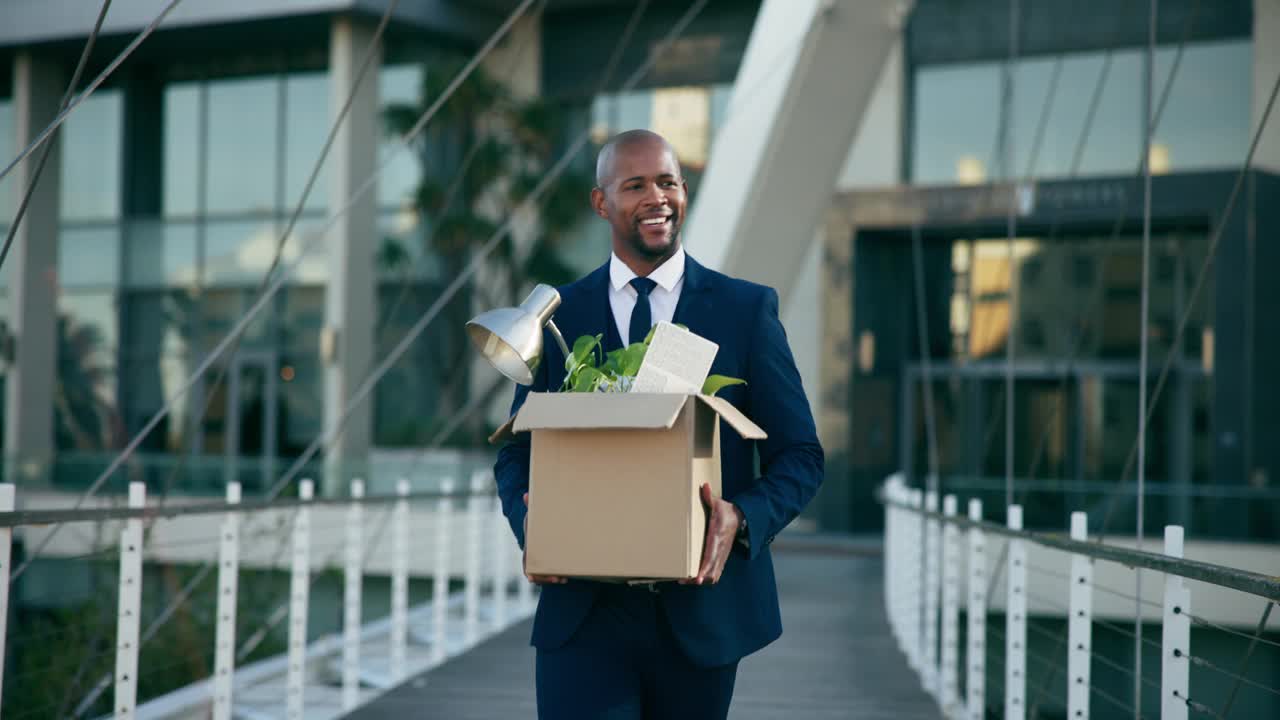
539,579
722,528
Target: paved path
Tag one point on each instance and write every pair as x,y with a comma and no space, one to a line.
836,658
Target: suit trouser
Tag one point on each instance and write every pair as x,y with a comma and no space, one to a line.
624,663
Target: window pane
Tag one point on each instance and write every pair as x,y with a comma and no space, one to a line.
91,149
1206,121
238,252
160,254
84,416
307,117
307,252
181,148
242,152
301,389
89,256
1114,141
957,115
402,249
398,84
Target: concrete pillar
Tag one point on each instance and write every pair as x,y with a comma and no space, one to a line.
350,310
38,84
807,79
1266,67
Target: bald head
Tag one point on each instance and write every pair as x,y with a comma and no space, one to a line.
606,161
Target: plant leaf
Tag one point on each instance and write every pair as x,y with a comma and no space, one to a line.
632,357
715,382
582,348
587,380
613,363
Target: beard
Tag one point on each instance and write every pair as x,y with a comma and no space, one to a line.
636,241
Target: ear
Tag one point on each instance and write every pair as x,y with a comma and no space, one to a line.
597,203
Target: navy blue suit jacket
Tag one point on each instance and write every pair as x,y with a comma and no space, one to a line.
715,624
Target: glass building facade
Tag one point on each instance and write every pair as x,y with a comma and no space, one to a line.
1080,113
1044,249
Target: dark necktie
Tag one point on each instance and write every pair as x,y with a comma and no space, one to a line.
642,315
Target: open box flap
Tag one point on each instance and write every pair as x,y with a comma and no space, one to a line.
730,414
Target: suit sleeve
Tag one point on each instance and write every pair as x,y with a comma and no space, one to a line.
512,469
791,458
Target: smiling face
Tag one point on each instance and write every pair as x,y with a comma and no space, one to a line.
643,196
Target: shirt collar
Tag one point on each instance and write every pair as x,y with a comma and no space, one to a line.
667,275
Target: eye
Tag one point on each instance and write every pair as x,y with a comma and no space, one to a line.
668,183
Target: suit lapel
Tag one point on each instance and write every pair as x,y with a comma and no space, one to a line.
694,307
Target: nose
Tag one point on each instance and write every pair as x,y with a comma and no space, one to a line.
655,195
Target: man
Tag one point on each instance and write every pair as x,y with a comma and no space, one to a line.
671,650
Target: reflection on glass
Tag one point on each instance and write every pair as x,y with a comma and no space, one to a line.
159,322
222,308
181,148
238,252
398,84
242,152
402,249
306,253
1110,408
1077,298
151,379
306,116
91,156
301,390
85,406
159,254
1205,123
957,113
89,255
156,358
405,403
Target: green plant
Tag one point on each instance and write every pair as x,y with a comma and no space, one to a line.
589,369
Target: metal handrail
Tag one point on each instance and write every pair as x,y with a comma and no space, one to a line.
23,518
1264,586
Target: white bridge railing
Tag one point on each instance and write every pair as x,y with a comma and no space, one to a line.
443,535
940,564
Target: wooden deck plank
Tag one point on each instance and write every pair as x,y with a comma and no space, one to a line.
836,658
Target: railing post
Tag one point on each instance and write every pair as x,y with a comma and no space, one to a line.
224,657
440,574
471,575
1079,624
7,493
128,623
500,551
891,557
950,607
1175,641
1015,681
299,589
915,586
932,591
351,598
975,655
399,581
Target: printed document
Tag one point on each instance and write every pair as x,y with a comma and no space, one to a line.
677,361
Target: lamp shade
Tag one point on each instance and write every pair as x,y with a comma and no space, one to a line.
511,338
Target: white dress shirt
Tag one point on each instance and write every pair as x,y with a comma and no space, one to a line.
669,277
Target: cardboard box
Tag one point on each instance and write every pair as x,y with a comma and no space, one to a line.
614,481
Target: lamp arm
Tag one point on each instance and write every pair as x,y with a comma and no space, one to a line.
555,332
